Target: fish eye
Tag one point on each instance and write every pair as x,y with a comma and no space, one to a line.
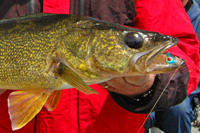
133,40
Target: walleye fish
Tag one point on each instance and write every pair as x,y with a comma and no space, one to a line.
42,54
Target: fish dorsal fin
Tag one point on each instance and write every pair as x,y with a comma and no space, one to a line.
2,91
53,100
23,106
73,79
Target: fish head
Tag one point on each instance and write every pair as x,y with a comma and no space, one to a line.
127,51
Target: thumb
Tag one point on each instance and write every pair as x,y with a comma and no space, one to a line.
140,80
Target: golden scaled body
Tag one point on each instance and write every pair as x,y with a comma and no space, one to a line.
29,46
28,49
24,47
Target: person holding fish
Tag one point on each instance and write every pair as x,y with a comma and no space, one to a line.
42,54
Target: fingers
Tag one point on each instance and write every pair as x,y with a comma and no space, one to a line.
133,86
119,85
137,80
107,87
140,80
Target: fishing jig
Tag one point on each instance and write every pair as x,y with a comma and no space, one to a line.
169,59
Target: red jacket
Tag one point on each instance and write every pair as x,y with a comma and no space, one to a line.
77,112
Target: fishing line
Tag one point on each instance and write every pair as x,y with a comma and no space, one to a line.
158,98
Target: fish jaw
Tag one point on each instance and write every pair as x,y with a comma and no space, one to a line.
154,61
161,66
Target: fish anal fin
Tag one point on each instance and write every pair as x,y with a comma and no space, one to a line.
23,106
53,100
73,79
2,91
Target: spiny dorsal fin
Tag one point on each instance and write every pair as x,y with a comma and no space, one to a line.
23,106
53,100
73,79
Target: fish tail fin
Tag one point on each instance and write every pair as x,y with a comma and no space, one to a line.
53,100
23,106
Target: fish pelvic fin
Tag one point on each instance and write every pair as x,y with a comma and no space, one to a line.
73,79
53,100
23,106
2,91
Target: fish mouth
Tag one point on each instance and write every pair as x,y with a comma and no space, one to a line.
154,61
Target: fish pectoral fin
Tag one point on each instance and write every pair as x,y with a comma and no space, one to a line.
73,79
53,100
23,106
2,91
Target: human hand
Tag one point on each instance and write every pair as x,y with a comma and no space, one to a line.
130,86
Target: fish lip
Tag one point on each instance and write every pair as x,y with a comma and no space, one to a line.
157,51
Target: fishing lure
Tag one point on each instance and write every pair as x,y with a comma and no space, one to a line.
169,59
